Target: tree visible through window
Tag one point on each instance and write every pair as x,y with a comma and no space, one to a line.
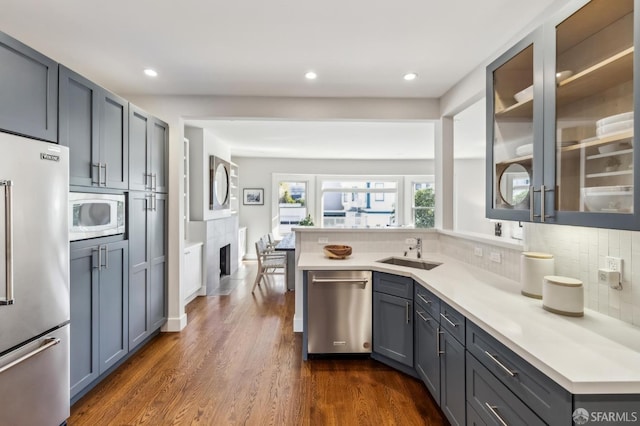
424,205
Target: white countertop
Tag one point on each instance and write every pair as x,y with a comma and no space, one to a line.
594,354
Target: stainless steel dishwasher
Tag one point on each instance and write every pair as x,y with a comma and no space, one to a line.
339,312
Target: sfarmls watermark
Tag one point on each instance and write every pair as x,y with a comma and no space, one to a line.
582,416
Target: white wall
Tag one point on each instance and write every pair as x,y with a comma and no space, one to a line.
257,173
202,145
469,192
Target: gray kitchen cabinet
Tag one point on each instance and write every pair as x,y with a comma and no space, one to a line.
427,357
147,280
561,133
29,88
393,317
439,354
493,402
94,124
148,152
473,418
452,378
99,303
543,396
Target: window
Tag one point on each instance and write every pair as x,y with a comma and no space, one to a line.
423,206
358,202
292,205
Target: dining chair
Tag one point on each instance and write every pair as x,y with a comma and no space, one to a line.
269,263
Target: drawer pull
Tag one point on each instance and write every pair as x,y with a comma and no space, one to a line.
425,319
453,324
428,302
495,413
501,365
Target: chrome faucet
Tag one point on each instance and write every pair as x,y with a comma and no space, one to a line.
418,248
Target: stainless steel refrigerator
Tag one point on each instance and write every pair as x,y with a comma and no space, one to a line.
34,282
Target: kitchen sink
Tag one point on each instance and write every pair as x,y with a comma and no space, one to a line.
410,263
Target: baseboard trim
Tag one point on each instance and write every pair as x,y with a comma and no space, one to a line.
297,325
175,324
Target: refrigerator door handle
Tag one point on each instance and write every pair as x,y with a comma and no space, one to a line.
48,342
8,232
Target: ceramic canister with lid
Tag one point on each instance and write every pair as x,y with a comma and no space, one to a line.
534,267
563,295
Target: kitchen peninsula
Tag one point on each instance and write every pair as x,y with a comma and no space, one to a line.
592,359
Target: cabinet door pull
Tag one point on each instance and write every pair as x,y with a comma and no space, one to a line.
425,319
438,349
408,319
106,256
494,411
99,267
104,183
96,166
501,365
8,241
543,215
154,182
531,202
453,324
428,302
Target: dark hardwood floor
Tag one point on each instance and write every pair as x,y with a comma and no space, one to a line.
238,362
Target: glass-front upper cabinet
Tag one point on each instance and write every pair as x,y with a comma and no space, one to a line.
591,120
561,119
514,130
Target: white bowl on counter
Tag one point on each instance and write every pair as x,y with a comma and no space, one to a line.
614,199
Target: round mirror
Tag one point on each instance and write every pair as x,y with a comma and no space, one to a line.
514,185
221,188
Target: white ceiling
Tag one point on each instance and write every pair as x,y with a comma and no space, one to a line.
324,139
359,48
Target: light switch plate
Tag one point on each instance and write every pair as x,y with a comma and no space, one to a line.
477,251
323,240
410,241
495,257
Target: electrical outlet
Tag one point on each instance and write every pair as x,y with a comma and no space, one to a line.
613,263
323,240
477,251
495,257
410,241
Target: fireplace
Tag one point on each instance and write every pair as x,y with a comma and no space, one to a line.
225,260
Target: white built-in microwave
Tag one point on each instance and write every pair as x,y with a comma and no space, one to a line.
94,215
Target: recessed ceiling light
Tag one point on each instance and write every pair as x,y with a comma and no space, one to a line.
150,73
410,76
310,75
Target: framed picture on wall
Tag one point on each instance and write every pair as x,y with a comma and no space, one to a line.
253,196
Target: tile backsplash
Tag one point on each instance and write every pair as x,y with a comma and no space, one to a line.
464,250
579,252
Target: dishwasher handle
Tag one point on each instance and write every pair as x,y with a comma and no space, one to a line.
340,280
